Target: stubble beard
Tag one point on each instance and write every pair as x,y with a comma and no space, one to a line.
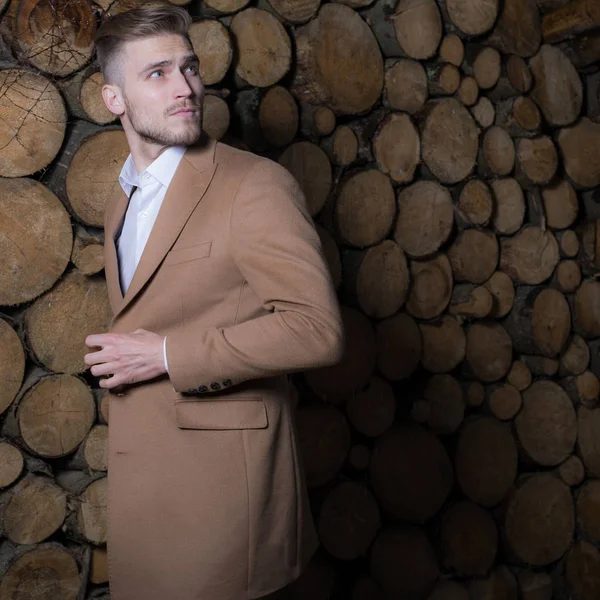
151,133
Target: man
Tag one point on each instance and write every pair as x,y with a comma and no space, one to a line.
219,289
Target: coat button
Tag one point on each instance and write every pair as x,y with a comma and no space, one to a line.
215,386
192,391
202,389
227,382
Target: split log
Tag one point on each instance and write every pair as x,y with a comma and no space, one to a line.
587,309
11,464
515,79
509,205
557,88
55,415
484,63
57,324
364,128
571,471
403,562
406,86
530,256
502,289
342,146
312,170
469,539
539,537
475,204
497,154
519,116
332,255
12,364
380,18
578,148
213,45
333,51
474,393
56,38
35,240
540,366
500,584
425,218
547,424
537,161
568,242
278,117
484,112
561,205
372,410
473,255
518,28
354,3
576,357
410,472
583,570
91,516
348,520
443,79
34,572
486,460
592,99
449,139
99,566
397,148
471,301
215,116
324,442
226,6
103,154
504,401
489,351
430,287
245,108
570,20
448,589
582,389
468,17
451,50
540,321
359,457
33,510
444,344
583,51
468,91
519,376
295,12
377,279
365,208
88,252
567,277
264,49
418,26
399,347
588,439
352,373
588,516
443,397
34,118
315,121
92,454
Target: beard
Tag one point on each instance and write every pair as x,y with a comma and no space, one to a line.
152,133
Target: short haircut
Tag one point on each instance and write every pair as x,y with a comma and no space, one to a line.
132,25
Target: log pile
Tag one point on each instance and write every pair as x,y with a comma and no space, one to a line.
448,152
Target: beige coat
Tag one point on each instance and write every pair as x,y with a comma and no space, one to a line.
206,496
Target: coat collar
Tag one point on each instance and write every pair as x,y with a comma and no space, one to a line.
188,186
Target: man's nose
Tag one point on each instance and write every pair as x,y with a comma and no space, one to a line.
183,88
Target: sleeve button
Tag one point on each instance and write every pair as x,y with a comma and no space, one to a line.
227,382
202,389
215,386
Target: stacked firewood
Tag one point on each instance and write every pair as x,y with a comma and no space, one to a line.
449,151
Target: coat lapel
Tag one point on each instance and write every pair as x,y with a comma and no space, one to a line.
188,186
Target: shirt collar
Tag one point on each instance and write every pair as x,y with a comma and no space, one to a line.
162,169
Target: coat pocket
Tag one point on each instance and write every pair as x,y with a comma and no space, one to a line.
241,413
181,255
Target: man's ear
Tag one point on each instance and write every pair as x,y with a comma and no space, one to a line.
113,98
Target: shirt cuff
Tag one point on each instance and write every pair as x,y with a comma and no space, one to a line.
165,354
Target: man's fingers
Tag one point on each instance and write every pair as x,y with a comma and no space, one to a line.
98,340
94,358
103,369
111,382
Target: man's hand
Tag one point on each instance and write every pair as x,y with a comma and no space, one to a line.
128,357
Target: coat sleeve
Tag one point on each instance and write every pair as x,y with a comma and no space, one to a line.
278,251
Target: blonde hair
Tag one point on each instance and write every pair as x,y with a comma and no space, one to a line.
135,24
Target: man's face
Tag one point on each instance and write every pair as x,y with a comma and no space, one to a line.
162,90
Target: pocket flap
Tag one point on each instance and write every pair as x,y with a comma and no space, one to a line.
179,255
242,413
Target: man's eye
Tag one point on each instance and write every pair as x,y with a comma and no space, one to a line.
193,68
155,72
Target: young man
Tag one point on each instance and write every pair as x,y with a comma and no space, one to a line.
219,288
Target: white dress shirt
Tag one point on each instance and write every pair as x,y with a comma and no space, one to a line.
151,186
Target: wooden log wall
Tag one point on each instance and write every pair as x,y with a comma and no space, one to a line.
449,151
